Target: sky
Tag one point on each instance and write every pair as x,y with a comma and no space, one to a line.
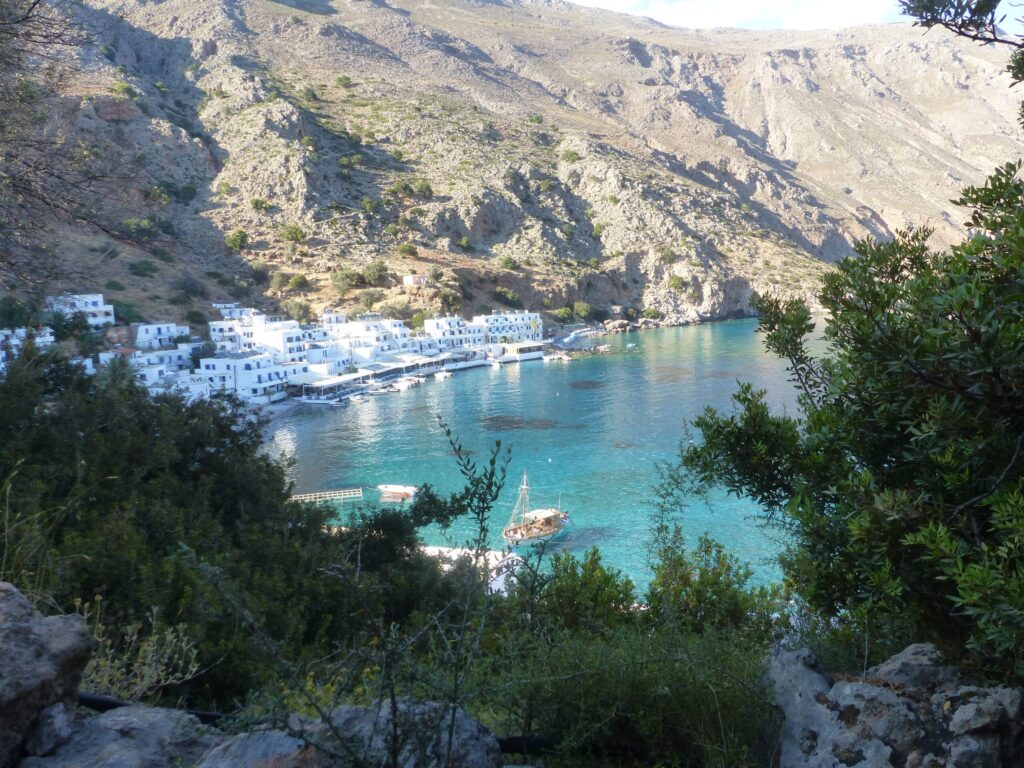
771,14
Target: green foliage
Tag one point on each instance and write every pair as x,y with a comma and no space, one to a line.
369,205
298,283
15,313
345,279
422,188
507,296
401,188
189,286
293,233
436,274
260,205
343,81
297,310
376,272
901,481
143,268
563,314
237,240
196,317
224,189
507,262
126,312
407,249
535,119
652,314
417,320
678,283
113,285
582,310
123,89
545,185
598,230
464,243
571,156
279,281
586,595
309,93
369,297
450,301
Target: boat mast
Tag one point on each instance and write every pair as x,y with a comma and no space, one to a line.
522,504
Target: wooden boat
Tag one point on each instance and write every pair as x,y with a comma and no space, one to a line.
532,526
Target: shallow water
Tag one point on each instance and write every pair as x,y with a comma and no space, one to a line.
590,433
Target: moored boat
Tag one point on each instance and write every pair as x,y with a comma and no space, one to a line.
389,492
532,526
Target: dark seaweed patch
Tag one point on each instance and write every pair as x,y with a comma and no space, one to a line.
506,423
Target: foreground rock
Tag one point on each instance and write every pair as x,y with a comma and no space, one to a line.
41,663
911,711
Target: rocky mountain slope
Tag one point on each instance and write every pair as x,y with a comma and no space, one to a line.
517,151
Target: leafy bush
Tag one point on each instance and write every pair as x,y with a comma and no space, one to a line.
507,262
345,279
422,188
464,243
507,296
582,310
126,312
436,274
293,233
237,240
260,204
143,268
375,273
450,301
113,285
678,283
407,249
562,315
369,205
343,81
297,310
279,281
571,156
196,317
189,286
401,188
652,314
298,283
369,297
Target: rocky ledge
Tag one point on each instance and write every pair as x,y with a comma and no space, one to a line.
913,711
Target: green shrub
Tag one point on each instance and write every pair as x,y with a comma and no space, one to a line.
375,273
563,315
368,205
113,285
407,249
507,296
436,274
123,89
450,301
507,262
598,230
678,283
422,188
535,119
369,297
237,240
260,204
196,317
345,279
545,185
309,93
293,233
401,188
298,283
126,312
189,286
279,281
651,313
417,320
297,310
343,81
143,268
571,156
582,310
464,243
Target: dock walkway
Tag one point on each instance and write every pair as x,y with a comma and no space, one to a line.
342,494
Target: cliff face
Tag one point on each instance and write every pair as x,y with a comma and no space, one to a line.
560,153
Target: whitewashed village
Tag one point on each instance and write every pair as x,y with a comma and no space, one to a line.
263,359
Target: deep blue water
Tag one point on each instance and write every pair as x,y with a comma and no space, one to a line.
591,431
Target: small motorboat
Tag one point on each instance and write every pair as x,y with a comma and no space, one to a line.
390,492
443,375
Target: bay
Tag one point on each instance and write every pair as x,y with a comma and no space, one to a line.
590,433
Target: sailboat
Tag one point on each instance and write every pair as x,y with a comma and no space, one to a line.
532,526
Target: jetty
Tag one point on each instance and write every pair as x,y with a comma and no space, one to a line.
342,494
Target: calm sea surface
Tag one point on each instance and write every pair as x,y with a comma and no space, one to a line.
591,432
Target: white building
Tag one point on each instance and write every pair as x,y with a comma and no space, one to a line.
13,339
415,281
253,376
511,327
454,332
91,305
156,335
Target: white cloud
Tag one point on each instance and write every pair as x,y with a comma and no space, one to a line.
758,14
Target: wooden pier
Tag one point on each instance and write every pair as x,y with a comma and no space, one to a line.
343,494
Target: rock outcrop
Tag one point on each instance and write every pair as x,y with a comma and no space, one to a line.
41,663
913,711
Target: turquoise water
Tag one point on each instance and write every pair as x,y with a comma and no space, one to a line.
591,431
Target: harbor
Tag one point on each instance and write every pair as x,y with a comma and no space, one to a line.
590,432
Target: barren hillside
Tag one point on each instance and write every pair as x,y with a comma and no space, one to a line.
519,152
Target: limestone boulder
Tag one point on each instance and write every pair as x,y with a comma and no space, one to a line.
41,663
